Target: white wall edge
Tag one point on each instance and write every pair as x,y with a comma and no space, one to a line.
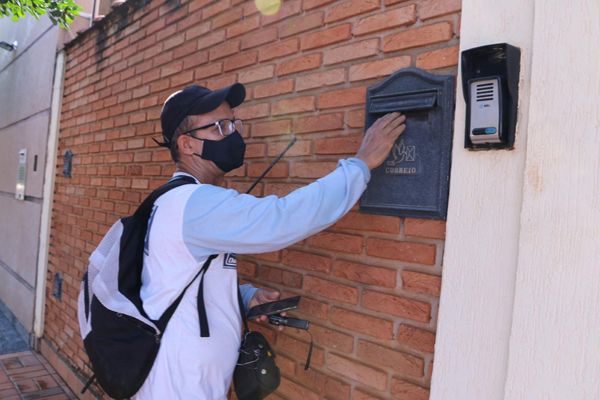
48,196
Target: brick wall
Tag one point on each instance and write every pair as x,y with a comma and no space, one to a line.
370,284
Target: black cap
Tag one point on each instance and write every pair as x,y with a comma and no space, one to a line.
196,100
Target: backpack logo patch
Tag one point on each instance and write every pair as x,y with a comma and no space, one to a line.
230,261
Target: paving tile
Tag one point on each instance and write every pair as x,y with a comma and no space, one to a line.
43,394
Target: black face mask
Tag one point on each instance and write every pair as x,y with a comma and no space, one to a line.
227,154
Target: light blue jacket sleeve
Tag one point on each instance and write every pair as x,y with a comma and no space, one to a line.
247,291
219,220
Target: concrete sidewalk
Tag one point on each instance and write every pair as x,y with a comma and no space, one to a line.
27,376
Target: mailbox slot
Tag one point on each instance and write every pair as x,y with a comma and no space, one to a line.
403,102
413,181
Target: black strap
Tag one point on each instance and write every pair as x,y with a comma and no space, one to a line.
164,319
144,210
204,331
242,309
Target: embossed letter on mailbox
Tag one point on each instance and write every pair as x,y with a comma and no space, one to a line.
413,180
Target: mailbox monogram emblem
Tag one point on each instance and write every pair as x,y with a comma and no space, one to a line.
402,153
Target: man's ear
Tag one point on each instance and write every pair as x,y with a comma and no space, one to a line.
185,145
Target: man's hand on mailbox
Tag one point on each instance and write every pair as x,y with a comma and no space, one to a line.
380,138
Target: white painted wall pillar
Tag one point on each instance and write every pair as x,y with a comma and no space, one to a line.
482,236
520,305
555,340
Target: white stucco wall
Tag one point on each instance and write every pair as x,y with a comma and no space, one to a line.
555,340
482,231
520,304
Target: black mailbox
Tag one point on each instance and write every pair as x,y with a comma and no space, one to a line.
413,180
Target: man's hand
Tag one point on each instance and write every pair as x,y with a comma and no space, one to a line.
264,296
380,138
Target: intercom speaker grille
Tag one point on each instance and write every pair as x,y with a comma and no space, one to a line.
486,91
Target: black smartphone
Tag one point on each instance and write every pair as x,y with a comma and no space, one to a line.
274,307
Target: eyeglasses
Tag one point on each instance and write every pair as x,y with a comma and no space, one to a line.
225,126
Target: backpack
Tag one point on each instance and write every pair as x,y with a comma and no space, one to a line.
120,339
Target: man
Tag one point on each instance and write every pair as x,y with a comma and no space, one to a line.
191,222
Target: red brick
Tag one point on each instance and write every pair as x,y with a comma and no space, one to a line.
360,394
362,273
337,241
342,98
362,323
416,338
352,51
422,36
293,105
442,58
288,9
272,89
319,123
300,148
272,128
350,8
280,170
256,74
243,26
386,20
326,37
223,50
212,69
299,349
293,391
315,169
435,8
402,389
321,79
336,390
233,14
332,339
396,305
240,60
280,189
399,362
274,256
280,276
247,112
404,251
213,38
246,268
330,290
369,222
262,36
221,81
379,68
338,145
361,373
299,64
307,261
255,150
197,30
310,4
301,24
278,49
421,283
215,9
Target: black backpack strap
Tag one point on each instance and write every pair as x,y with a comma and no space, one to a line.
204,331
164,319
144,210
135,229
242,310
